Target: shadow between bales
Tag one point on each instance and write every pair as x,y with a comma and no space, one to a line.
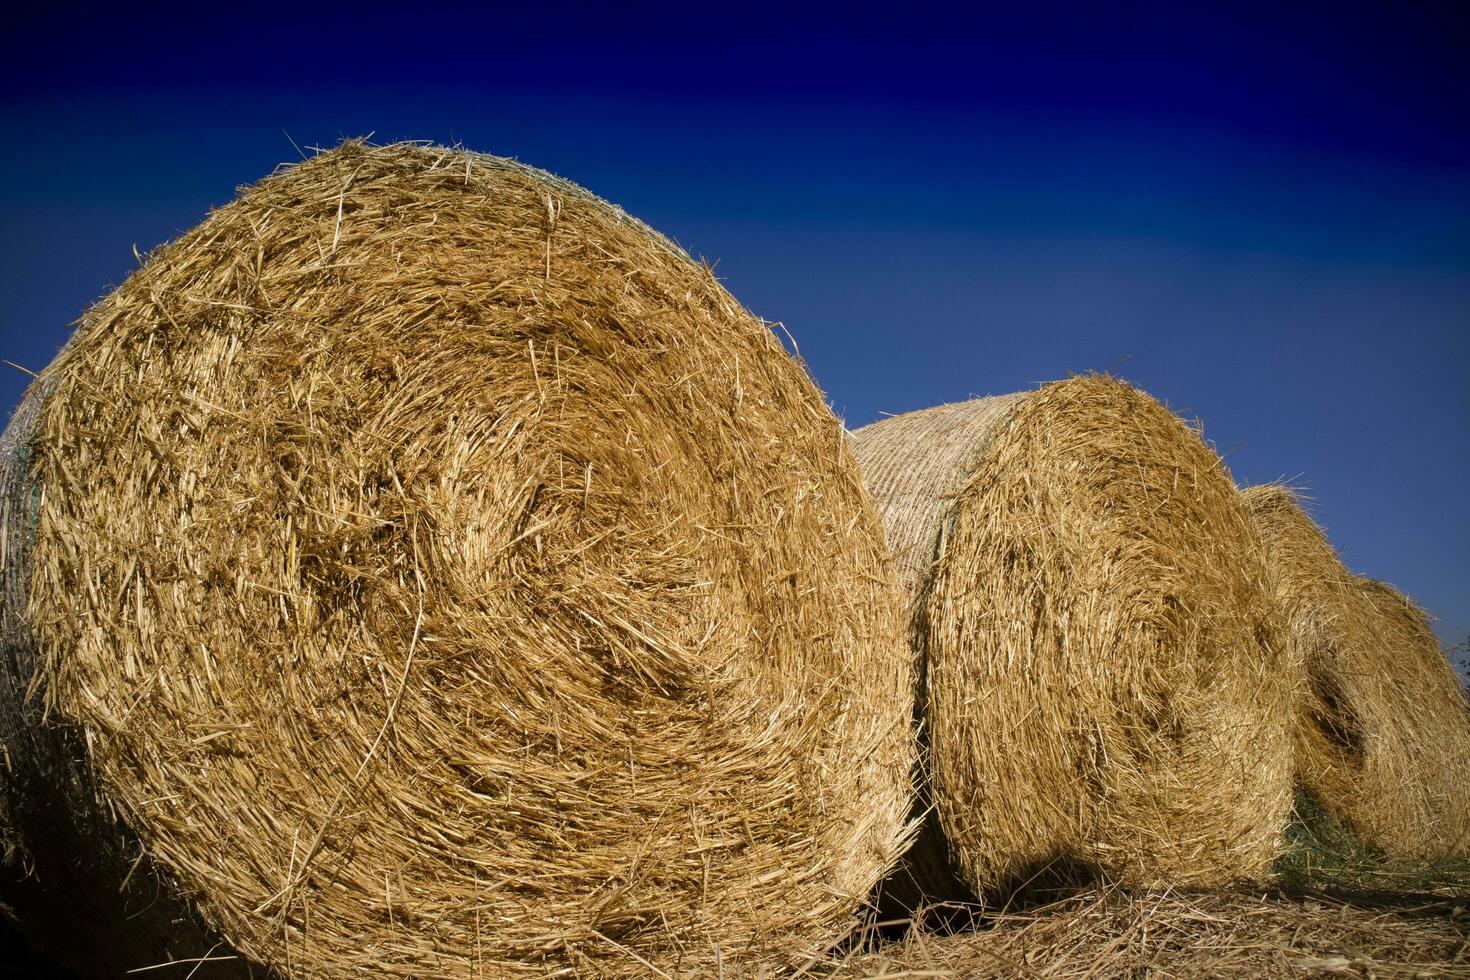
901,907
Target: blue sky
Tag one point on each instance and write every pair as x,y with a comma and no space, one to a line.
1263,219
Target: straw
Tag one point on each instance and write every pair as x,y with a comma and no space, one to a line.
1105,686
1382,728
446,576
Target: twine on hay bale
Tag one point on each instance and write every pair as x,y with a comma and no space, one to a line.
446,577
1382,729
1104,689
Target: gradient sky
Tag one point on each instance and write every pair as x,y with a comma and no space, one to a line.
1262,219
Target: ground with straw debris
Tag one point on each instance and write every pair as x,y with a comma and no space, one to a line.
1336,908
1114,933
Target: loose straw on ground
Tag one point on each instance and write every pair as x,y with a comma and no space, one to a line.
444,576
1115,933
1105,686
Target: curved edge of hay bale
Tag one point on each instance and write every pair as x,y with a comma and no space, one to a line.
1381,729
64,852
915,464
931,472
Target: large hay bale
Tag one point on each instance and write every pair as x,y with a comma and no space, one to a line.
1104,688
1382,729
444,576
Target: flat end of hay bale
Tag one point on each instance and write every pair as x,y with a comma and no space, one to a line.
469,584
1104,688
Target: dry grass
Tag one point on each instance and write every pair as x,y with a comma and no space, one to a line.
1382,731
448,578
1117,933
1106,691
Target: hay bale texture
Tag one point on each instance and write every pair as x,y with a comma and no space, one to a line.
1382,730
1104,683
437,573
65,852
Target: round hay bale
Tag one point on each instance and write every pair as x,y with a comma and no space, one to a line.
1104,690
442,575
1382,729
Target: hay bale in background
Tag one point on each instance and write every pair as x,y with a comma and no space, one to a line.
1382,730
446,576
1105,686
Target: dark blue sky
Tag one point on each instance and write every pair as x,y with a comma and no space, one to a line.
1263,219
